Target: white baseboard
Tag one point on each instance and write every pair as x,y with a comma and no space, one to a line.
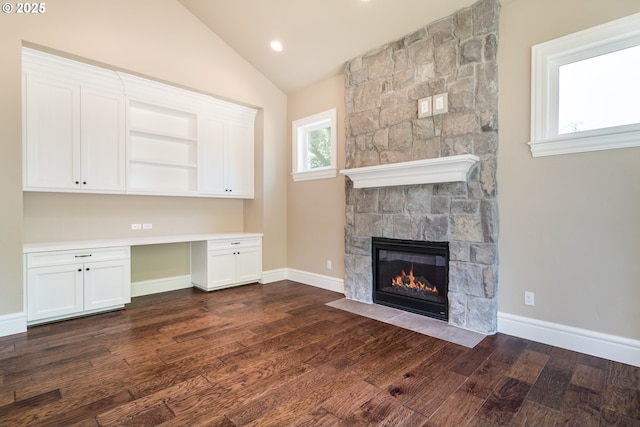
274,275
14,323
612,347
148,287
317,280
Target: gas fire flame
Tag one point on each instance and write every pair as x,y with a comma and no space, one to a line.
410,281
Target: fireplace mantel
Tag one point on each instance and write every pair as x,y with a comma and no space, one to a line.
428,171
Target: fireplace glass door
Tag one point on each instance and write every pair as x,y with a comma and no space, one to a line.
411,275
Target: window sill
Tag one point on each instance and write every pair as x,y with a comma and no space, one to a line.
586,143
316,174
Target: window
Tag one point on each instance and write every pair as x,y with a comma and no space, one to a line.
585,93
314,146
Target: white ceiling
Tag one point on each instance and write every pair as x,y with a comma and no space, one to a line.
319,36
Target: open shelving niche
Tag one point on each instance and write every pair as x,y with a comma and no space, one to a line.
163,149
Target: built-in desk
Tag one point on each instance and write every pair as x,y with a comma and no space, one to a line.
73,278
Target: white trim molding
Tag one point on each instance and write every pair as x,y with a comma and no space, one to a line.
13,324
155,286
587,141
317,280
273,276
612,347
427,171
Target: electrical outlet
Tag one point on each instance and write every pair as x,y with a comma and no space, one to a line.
136,226
529,298
147,226
329,264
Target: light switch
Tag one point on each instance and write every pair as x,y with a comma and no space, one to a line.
440,103
424,107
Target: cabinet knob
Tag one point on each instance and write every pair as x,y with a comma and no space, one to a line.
77,182
87,268
84,182
79,269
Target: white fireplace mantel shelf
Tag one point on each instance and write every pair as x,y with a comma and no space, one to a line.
428,171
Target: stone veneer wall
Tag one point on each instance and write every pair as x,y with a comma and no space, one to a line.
456,54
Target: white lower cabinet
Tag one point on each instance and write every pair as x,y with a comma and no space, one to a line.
217,264
68,283
54,291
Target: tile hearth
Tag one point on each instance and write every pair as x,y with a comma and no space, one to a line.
414,322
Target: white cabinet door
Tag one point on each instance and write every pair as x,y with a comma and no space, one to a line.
102,118
54,291
212,163
222,268
239,161
106,284
249,264
52,133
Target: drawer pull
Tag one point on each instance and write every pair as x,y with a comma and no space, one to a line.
83,256
235,243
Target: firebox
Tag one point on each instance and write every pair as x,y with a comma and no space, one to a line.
411,275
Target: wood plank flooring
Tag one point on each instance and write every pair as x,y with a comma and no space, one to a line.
276,355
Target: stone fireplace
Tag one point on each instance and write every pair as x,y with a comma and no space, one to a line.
455,55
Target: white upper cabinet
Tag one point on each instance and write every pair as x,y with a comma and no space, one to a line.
89,129
227,151
74,120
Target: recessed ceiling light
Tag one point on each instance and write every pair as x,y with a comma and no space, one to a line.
276,45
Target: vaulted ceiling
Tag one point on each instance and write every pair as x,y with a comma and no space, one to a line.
318,36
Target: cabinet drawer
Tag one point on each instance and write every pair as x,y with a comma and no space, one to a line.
43,259
234,243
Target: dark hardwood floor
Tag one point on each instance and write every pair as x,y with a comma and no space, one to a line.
276,355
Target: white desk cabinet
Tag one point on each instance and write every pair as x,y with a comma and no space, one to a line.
68,283
217,264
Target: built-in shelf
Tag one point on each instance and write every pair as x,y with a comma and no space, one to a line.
145,133
164,164
428,171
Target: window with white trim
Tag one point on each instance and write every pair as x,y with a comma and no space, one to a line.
314,146
585,90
